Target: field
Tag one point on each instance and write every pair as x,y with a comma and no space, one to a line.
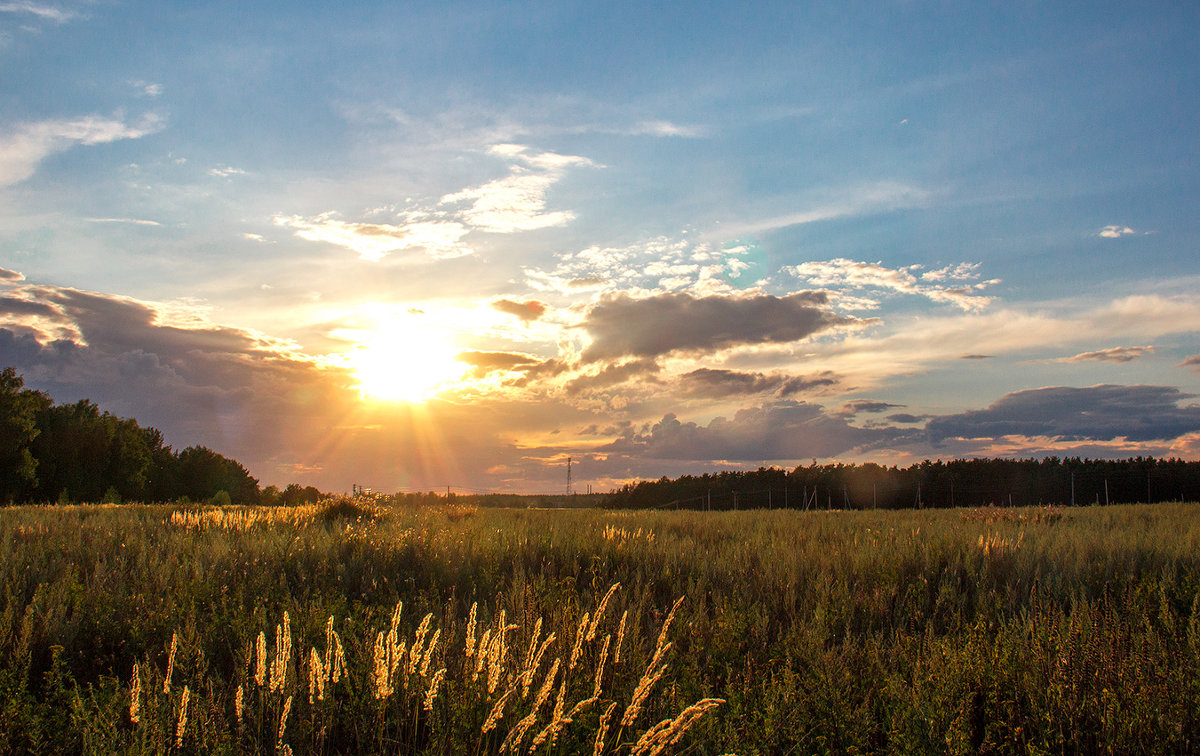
364,628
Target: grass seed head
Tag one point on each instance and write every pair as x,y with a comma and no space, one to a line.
591,633
470,643
602,729
580,632
171,662
620,637
432,693
181,727
135,696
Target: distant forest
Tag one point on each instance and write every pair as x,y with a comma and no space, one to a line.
75,453
957,483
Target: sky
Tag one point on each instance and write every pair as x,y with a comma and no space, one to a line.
419,245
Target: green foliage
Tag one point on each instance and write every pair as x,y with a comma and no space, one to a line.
201,473
19,409
220,499
78,453
960,482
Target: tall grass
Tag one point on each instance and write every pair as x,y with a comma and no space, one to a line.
338,629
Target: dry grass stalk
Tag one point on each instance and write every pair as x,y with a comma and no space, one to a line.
512,743
283,654
481,656
602,729
432,693
260,670
600,667
171,662
559,720
591,633
181,727
429,653
395,623
662,635
547,685
667,733
533,641
497,653
414,653
579,635
334,662
532,668
620,637
135,696
287,709
654,672
497,711
239,704
470,644
316,677
381,668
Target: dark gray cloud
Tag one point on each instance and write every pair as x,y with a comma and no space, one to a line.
622,326
716,383
614,375
785,430
904,417
18,306
7,275
865,405
975,357
527,311
1098,413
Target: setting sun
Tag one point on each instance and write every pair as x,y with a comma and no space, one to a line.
403,360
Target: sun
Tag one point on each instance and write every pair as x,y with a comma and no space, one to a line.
404,360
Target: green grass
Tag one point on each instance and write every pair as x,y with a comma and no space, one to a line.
951,631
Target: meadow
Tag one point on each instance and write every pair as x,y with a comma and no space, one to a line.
360,627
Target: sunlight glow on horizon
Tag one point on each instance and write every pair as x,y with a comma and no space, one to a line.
402,360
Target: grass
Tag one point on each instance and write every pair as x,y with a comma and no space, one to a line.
1037,631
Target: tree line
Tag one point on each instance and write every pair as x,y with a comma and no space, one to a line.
956,483
77,453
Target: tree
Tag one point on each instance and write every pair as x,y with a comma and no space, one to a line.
19,409
86,452
201,473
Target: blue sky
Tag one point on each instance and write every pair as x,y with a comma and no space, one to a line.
422,245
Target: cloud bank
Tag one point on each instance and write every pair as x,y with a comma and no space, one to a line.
620,325
26,146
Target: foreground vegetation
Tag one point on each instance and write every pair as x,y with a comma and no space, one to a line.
349,628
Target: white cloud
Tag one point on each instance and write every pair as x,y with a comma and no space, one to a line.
24,148
1116,232
225,171
517,202
45,12
438,238
852,274
667,129
131,221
